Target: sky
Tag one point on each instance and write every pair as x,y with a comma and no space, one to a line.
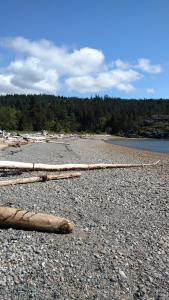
118,48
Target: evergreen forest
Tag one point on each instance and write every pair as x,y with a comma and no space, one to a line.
132,118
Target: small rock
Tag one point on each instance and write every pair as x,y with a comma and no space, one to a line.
122,274
3,282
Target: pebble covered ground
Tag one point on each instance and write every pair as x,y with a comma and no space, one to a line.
120,247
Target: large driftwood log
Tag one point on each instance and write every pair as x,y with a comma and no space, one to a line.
41,178
22,219
66,167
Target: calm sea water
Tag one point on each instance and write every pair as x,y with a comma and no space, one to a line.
145,144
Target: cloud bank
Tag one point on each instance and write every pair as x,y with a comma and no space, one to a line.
42,67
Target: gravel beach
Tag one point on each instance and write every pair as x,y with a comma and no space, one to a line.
120,246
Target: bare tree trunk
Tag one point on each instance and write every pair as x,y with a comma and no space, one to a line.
22,219
41,178
66,167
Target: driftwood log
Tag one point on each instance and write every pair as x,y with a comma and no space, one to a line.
22,219
41,178
67,167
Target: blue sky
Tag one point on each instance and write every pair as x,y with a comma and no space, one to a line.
85,47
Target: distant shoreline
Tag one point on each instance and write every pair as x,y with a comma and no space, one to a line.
108,139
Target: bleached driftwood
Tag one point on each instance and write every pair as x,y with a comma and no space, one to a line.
22,219
58,143
41,178
66,167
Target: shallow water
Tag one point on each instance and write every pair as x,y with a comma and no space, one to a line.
145,144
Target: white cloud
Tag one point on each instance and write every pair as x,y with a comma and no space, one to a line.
6,87
77,62
121,64
145,65
85,61
31,74
44,68
150,91
115,79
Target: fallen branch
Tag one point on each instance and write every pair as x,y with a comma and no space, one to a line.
22,219
41,178
58,143
66,167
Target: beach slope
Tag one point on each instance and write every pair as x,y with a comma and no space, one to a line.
120,246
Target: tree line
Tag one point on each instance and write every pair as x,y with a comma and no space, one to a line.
92,115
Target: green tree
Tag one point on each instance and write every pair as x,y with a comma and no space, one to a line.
8,120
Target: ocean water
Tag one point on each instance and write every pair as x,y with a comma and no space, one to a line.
156,145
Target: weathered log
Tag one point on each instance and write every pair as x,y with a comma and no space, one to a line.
66,167
41,178
23,219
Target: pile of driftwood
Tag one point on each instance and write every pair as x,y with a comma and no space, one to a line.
14,139
22,219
